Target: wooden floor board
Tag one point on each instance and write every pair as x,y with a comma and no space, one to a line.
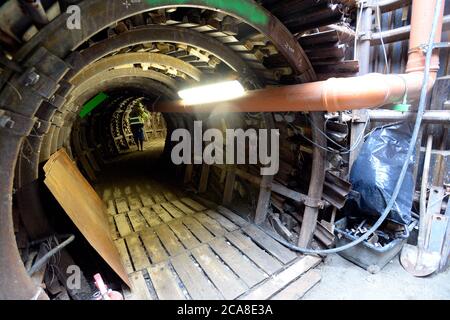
174,212
246,270
134,202
276,249
169,240
123,225
183,233
197,229
151,217
194,279
165,283
139,289
137,252
122,205
227,224
297,289
282,279
180,205
241,222
212,225
123,252
224,279
111,207
193,204
147,201
162,213
153,246
265,261
137,220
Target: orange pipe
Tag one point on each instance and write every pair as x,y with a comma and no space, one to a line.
335,94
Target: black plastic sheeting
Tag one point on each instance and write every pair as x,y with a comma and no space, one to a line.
375,174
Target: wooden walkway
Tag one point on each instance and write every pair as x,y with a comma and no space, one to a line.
175,248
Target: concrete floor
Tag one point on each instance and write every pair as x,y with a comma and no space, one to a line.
342,280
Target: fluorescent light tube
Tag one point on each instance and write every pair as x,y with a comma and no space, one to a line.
212,93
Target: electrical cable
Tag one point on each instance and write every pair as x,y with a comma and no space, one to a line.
412,144
38,264
378,16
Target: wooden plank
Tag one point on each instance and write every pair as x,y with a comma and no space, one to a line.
147,201
229,187
139,289
213,226
111,207
123,252
180,205
169,195
193,204
241,222
163,214
203,185
225,280
137,252
262,207
195,281
158,198
197,229
122,225
128,190
134,202
276,249
113,229
262,259
107,194
224,222
183,233
174,212
247,271
154,247
122,205
169,240
297,289
151,217
117,192
137,220
282,279
165,283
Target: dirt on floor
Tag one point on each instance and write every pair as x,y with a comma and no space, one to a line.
342,280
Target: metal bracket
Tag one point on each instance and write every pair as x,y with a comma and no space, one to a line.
314,203
437,45
365,35
17,124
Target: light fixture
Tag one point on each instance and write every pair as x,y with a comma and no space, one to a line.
221,91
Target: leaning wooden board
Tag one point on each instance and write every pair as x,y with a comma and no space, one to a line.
83,206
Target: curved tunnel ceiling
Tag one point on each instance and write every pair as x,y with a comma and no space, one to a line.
53,55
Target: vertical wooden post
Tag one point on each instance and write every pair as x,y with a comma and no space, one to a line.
229,187
188,173
204,178
265,191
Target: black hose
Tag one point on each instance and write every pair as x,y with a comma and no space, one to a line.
412,143
38,264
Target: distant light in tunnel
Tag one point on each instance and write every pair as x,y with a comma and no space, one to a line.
212,93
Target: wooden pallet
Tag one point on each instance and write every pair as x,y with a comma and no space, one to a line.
175,248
